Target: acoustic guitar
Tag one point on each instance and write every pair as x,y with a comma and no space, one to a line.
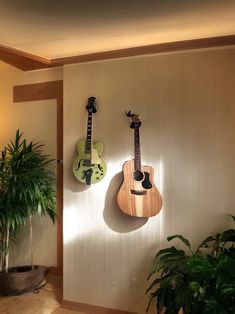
89,166
138,196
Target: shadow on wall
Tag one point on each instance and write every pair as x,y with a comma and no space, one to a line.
113,216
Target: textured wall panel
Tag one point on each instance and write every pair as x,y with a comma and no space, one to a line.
186,102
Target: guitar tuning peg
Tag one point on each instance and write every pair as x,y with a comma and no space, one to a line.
128,113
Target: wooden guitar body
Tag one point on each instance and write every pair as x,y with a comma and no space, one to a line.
138,196
96,164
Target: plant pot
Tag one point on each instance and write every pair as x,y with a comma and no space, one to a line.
22,279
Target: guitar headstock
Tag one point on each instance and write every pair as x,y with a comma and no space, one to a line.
135,120
91,105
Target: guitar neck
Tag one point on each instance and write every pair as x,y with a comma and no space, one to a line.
89,134
137,149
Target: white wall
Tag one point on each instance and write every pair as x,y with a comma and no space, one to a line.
37,121
186,101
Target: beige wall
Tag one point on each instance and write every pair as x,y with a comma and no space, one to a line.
186,101
37,120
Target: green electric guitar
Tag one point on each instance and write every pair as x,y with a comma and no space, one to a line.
89,167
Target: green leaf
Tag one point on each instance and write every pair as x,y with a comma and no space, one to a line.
154,283
233,217
205,242
228,236
194,285
198,264
180,237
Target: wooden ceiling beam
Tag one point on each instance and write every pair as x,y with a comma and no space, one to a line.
22,60
27,62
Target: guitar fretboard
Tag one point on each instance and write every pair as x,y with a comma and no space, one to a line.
137,150
89,134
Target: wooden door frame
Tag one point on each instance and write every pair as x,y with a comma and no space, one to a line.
46,91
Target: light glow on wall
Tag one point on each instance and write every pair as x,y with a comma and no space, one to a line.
97,199
92,200
160,186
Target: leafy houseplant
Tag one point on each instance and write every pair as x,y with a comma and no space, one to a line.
201,281
27,186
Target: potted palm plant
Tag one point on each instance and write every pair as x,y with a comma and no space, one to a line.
200,281
27,186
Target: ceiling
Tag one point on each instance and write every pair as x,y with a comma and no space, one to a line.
64,28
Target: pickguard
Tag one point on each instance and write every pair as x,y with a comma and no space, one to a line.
146,184
95,159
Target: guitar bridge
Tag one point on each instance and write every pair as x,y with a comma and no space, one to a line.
135,192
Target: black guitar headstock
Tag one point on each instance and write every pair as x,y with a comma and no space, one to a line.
91,105
135,120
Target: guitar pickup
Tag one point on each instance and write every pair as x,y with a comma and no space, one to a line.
88,163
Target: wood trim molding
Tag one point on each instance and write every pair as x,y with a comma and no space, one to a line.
91,309
150,49
38,91
23,60
26,61
44,91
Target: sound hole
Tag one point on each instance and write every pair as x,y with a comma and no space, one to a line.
138,175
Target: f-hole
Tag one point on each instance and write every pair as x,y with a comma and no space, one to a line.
138,175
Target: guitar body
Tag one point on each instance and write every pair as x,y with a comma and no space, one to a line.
97,165
138,196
